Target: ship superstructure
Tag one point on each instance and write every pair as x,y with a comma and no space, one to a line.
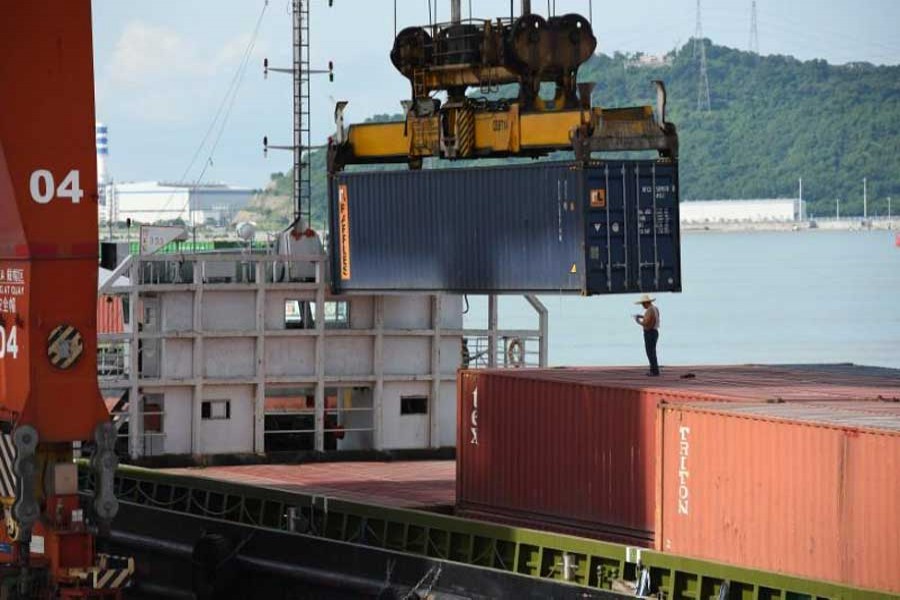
242,353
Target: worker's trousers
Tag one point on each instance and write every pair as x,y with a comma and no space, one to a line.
651,336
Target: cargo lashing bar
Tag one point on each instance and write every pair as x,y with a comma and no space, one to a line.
655,226
608,227
637,226
542,555
625,221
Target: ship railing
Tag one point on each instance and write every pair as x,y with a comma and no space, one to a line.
214,268
295,429
151,415
114,365
112,358
513,349
494,347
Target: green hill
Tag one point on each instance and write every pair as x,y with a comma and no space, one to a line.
774,119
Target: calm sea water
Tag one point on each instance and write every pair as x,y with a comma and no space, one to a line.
763,297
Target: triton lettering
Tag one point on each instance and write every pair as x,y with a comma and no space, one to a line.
473,418
683,473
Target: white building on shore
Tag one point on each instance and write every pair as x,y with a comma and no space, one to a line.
777,210
152,202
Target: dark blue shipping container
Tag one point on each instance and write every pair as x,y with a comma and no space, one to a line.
604,228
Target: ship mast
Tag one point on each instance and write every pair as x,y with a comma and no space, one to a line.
301,72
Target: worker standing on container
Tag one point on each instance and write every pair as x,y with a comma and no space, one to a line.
650,322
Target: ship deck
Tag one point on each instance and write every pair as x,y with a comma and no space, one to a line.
426,485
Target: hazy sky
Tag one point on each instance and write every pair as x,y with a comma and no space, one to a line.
164,68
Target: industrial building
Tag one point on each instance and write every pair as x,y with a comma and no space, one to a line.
152,202
741,211
237,353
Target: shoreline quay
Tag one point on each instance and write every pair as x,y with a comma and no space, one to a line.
856,224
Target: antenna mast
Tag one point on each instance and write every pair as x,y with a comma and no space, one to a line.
753,46
703,102
698,34
302,134
302,73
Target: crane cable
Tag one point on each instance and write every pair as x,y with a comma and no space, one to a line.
227,101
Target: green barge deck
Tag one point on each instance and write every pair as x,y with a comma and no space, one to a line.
540,555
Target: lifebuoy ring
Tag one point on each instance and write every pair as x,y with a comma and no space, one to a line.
515,352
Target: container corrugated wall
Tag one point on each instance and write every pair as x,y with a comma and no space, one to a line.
110,315
575,449
558,455
607,227
807,490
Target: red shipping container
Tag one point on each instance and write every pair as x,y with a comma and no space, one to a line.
808,490
574,449
110,315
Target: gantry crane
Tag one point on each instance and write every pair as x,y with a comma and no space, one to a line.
49,396
49,239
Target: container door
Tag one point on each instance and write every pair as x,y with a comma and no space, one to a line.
606,230
655,197
631,228
657,243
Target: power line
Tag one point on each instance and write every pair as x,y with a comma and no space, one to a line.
807,38
799,33
219,120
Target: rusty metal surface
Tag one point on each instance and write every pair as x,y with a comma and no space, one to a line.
574,449
763,383
872,415
406,484
805,489
569,455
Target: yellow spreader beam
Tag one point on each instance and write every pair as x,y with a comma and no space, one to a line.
465,131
